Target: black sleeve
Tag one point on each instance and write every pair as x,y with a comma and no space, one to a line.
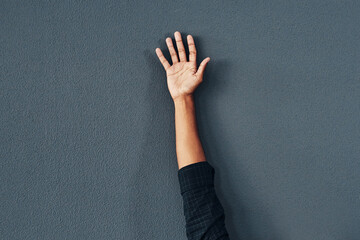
204,214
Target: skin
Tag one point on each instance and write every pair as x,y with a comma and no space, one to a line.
183,77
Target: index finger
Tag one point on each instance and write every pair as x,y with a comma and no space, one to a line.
192,48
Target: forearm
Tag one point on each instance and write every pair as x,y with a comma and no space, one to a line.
188,146
204,214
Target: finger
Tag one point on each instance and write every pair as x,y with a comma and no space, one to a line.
180,46
173,54
201,69
192,49
162,59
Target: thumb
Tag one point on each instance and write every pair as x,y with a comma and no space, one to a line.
201,69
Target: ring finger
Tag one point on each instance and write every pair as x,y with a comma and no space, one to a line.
174,57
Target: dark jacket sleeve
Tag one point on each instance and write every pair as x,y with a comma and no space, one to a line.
204,214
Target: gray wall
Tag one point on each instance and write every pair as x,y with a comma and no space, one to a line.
87,123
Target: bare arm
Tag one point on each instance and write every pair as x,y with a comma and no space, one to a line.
188,146
183,77
204,214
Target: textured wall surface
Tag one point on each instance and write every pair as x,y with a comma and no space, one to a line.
87,144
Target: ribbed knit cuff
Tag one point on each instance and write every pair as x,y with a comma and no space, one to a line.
196,175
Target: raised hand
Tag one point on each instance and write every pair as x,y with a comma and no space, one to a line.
183,77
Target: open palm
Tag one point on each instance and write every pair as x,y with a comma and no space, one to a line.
182,77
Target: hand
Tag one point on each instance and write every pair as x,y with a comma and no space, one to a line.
182,77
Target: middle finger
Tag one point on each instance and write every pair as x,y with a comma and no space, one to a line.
180,46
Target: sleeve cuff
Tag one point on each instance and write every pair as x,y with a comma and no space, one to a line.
196,175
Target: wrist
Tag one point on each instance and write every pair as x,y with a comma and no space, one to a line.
184,99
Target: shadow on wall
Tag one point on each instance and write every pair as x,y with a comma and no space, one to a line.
215,79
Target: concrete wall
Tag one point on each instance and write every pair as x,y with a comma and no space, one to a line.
87,123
